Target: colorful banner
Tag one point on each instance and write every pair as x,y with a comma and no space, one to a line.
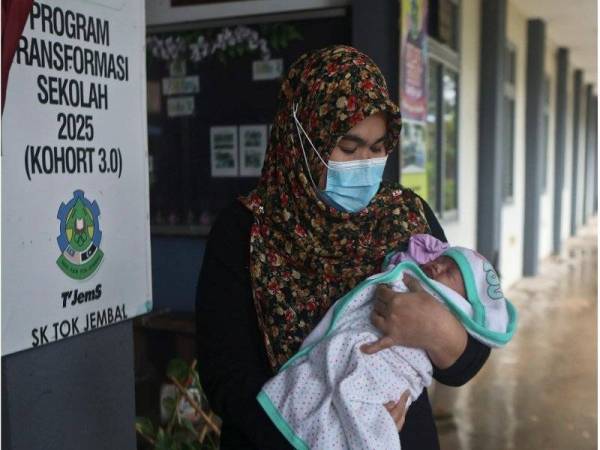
413,60
413,95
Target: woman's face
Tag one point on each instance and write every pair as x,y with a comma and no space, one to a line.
365,140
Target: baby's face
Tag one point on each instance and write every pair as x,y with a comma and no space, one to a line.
444,270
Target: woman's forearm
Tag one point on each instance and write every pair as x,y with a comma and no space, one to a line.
448,338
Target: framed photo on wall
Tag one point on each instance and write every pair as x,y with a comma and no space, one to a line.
224,151
253,145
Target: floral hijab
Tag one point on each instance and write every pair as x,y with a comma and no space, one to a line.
304,254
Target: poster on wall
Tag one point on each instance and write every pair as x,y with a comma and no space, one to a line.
181,85
75,204
413,60
270,69
413,94
253,145
224,151
180,106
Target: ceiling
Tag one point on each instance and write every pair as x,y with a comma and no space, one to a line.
572,24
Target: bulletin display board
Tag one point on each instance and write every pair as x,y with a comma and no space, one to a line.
76,247
212,95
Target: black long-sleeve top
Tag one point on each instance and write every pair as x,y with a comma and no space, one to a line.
232,360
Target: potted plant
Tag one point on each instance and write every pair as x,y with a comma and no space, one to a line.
188,422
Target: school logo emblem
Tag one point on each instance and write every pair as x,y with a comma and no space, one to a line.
79,239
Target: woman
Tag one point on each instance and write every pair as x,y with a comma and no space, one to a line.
319,221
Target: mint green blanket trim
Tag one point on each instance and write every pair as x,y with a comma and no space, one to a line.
470,285
386,259
280,422
495,337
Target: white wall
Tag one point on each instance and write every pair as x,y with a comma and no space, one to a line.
462,231
160,12
511,238
547,197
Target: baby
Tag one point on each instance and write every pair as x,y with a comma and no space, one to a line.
427,252
330,395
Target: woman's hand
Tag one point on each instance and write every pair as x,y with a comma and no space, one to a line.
416,319
398,410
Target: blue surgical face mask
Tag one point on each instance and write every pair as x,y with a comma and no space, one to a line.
351,185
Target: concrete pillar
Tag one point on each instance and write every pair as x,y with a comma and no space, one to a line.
534,141
594,151
577,83
489,200
560,113
588,174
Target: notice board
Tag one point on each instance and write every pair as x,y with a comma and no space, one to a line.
75,204
212,96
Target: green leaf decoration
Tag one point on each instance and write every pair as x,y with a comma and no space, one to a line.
169,405
183,437
178,369
144,425
188,424
163,441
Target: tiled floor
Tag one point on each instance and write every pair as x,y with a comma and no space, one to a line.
539,392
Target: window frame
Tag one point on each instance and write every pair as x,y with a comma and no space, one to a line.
457,35
446,59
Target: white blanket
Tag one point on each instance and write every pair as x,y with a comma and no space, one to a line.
331,395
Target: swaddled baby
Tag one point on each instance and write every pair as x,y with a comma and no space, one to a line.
330,395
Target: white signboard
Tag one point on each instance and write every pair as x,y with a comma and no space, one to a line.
180,106
270,69
181,85
223,152
253,145
75,230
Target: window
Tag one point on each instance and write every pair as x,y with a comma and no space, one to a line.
430,165
450,120
443,22
546,131
510,62
442,127
432,160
